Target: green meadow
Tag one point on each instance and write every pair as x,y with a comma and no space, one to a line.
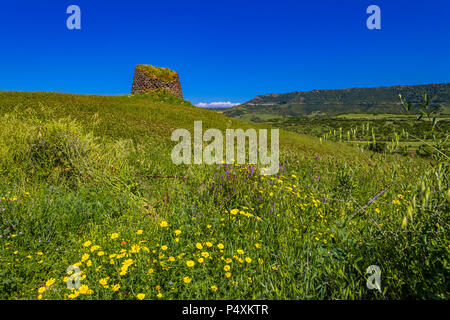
87,183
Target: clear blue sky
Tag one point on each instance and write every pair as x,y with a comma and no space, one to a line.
223,50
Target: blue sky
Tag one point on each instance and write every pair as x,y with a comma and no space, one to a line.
223,50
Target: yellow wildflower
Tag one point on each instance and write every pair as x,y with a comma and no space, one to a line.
50,282
163,224
115,287
141,296
84,289
190,263
103,281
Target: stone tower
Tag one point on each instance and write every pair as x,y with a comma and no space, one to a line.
148,78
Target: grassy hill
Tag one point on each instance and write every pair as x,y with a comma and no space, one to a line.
88,181
328,102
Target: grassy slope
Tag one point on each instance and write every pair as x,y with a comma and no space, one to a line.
148,121
111,193
147,118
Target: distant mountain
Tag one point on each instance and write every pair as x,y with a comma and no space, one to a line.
325,102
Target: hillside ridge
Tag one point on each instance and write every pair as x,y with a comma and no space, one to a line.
382,99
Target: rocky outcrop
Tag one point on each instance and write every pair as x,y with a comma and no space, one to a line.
148,78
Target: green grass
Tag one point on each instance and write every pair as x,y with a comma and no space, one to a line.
77,172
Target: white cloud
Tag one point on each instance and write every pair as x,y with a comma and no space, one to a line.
218,104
